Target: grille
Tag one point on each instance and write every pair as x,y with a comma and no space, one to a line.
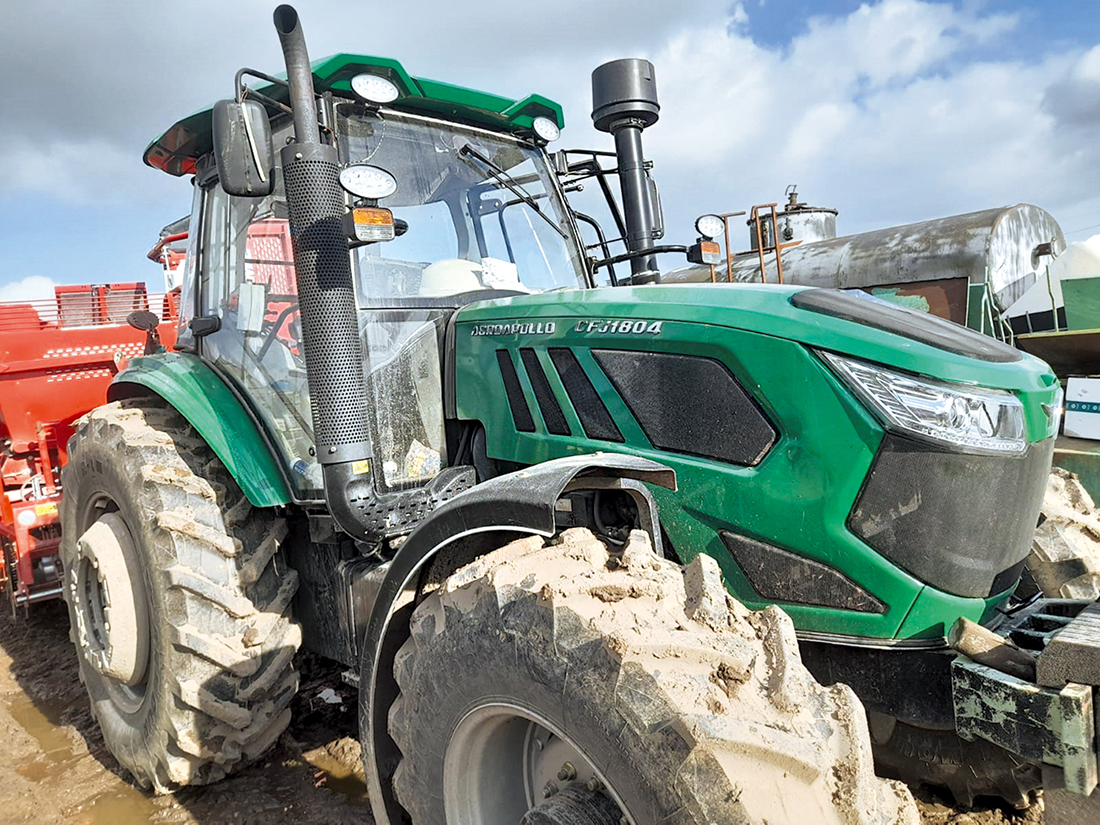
688,404
942,516
330,333
595,419
521,414
544,395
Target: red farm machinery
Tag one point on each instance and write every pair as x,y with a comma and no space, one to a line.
57,357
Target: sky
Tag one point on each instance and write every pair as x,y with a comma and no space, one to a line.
890,111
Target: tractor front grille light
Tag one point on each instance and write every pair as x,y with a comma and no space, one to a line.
977,419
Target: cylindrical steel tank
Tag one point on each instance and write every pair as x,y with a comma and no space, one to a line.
1009,247
796,223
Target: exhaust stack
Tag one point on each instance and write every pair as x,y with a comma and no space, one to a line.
330,330
624,102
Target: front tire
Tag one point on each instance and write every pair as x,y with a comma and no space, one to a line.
546,684
178,598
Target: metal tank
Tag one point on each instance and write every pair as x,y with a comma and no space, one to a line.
797,223
940,265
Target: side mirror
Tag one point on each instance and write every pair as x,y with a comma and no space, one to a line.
242,148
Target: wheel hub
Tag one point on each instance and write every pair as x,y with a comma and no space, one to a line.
505,763
106,590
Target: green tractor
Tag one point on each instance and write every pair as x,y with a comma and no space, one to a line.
401,427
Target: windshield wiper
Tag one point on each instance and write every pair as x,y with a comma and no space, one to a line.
510,183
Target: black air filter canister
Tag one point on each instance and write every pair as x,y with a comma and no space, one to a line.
330,331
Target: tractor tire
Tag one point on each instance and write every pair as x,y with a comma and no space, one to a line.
178,598
1065,555
943,760
559,683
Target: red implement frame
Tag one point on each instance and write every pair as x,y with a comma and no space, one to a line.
56,359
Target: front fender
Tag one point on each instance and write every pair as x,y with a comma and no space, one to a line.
213,409
509,506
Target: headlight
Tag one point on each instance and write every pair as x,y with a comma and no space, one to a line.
375,88
710,226
977,419
366,181
546,129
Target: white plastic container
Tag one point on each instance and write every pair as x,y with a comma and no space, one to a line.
1083,408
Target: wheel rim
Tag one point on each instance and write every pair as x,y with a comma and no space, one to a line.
109,602
505,762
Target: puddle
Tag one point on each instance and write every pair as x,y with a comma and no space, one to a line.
111,807
53,740
120,804
338,776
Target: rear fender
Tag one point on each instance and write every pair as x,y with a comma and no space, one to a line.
221,418
499,510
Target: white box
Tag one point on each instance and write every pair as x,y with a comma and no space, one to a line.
1083,408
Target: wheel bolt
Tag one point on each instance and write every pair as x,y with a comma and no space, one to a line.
594,785
549,790
567,773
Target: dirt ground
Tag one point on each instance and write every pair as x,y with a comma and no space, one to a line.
57,770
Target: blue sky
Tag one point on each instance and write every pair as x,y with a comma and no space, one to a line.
891,111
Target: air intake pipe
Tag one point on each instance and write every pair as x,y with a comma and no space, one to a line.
624,102
330,331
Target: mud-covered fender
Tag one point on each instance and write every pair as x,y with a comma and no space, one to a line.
501,509
221,418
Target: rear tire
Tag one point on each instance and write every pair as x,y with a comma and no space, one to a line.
204,682
647,687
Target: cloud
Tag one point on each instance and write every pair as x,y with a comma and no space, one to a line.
1074,100
901,110
894,113
31,288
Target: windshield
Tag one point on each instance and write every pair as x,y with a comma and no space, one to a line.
471,227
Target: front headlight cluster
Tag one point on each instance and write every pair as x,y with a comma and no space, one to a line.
977,419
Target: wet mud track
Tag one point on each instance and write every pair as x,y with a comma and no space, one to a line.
55,768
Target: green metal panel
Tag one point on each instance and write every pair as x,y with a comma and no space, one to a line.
799,496
177,149
934,611
1082,297
207,403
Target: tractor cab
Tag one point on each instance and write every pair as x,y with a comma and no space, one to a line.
470,208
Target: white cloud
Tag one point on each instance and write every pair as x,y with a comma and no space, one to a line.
31,288
885,113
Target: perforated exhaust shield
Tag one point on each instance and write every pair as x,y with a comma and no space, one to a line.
330,332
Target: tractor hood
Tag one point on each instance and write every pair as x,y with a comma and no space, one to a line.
780,459
832,320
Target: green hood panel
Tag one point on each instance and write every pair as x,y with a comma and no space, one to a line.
766,309
221,419
799,495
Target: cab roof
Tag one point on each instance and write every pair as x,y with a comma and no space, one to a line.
177,150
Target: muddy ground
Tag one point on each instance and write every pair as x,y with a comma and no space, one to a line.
56,769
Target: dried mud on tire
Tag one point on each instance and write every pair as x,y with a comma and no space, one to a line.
696,709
